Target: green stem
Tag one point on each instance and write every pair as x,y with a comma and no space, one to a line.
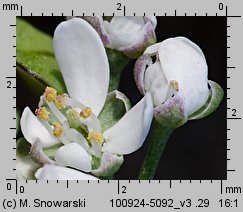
117,62
158,141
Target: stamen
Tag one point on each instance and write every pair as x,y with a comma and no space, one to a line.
42,113
60,102
96,136
58,129
175,84
50,94
86,113
58,114
95,122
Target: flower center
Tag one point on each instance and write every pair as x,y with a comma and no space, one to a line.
70,121
96,136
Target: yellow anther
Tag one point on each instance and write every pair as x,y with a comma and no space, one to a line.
50,94
175,84
42,113
58,129
59,101
86,112
96,136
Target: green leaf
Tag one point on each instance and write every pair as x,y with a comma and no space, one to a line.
116,105
35,56
23,146
117,62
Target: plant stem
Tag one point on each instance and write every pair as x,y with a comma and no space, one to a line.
117,62
158,141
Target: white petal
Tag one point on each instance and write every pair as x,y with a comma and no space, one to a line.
153,49
125,30
74,136
74,155
156,83
83,62
33,130
183,61
153,20
129,133
50,172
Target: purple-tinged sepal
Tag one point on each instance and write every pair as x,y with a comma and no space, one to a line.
172,113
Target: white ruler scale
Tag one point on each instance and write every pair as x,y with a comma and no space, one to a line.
131,195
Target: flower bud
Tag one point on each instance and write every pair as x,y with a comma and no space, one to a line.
128,34
175,72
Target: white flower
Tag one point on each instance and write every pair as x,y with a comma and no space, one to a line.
70,125
128,34
178,81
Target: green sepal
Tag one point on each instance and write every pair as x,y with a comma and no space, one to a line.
96,162
50,152
116,105
216,94
109,165
171,114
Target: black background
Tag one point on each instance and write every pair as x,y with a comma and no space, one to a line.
197,150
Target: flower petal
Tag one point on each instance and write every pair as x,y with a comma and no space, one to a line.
153,20
214,100
51,172
97,23
128,135
74,155
123,30
183,61
152,50
33,130
156,83
83,62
